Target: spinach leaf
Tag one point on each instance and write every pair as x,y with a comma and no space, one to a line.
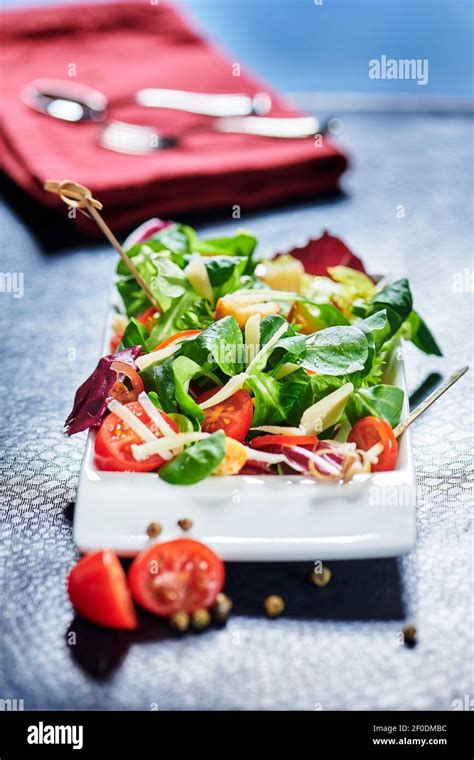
133,297
224,272
196,462
135,334
159,378
396,296
169,279
268,327
419,334
242,244
184,370
187,312
273,398
376,325
221,344
178,238
379,401
335,351
397,301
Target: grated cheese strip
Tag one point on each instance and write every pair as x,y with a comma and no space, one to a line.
198,276
236,383
280,430
286,369
154,414
133,422
168,443
143,362
252,337
267,347
232,386
265,456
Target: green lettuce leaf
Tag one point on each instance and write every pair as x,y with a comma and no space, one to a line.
378,401
196,462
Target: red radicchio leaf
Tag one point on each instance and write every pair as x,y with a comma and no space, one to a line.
145,231
252,467
90,401
327,251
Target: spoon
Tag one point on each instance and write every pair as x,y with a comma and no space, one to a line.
76,102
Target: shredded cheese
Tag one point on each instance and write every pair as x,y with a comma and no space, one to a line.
143,362
252,337
265,456
133,422
198,276
167,443
155,416
232,386
267,347
286,369
280,430
327,411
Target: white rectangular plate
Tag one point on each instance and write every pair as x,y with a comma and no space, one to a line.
255,518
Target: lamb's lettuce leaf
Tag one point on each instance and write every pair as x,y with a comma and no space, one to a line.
184,370
196,462
135,334
274,399
378,401
335,351
188,312
219,345
420,335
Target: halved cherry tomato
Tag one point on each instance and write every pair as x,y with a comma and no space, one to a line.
147,317
114,440
371,430
97,588
233,416
174,576
119,390
283,440
177,338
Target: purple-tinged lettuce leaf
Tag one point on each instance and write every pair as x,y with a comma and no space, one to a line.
90,401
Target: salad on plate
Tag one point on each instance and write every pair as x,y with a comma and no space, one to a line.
243,365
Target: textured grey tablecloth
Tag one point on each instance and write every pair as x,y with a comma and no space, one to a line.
337,647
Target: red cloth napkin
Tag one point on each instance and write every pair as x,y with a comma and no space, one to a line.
120,48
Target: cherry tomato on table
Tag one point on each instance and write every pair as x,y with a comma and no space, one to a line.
371,430
97,588
176,576
283,440
115,438
233,416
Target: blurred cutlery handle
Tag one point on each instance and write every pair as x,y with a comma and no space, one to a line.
266,126
205,104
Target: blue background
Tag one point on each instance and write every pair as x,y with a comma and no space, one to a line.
298,46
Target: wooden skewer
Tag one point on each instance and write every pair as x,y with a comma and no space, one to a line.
78,196
402,426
